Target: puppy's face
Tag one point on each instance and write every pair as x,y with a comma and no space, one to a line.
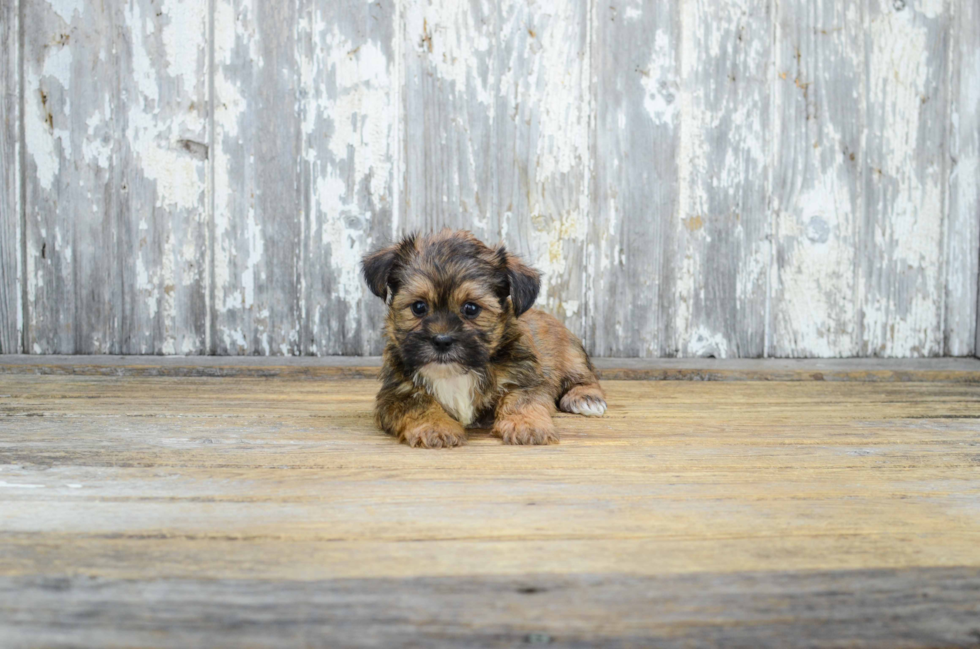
449,296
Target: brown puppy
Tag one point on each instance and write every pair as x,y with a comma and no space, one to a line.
463,345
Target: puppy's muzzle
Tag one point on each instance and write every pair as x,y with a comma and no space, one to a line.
442,342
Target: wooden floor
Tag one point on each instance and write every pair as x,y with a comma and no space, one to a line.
237,511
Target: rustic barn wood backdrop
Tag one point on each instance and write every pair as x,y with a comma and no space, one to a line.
694,177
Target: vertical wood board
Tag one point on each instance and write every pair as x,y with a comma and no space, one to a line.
901,279
448,49
259,226
721,254
962,254
11,306
115,103
817,190
634,197
544,146
348,80
70,230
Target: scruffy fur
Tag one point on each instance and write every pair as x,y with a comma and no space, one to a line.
475,352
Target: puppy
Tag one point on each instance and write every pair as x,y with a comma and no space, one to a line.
463,346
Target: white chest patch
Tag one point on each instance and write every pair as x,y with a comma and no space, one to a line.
453,387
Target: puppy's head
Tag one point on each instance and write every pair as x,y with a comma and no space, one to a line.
450,297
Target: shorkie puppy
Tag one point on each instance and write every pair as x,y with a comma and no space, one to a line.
464,347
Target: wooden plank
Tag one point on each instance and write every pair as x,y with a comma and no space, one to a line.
720,253
168,511
963,220
160,166
115,132
901,248
349,127
69,238
544,147
11,236
296,367
948,370
635,196
259,234
802,476
817,192
926,607
449,76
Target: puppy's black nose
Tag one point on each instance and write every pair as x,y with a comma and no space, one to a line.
442,342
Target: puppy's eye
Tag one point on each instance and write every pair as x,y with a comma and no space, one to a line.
471,310
419,308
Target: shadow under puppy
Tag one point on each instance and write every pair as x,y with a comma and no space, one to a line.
463,345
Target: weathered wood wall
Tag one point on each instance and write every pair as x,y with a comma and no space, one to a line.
729,178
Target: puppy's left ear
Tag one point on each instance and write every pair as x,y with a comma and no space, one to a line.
377,266
523,281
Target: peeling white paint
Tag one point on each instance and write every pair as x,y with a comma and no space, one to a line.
97,146
532,90
545,84
443,32
703,342
816,310
179,177
691,164
352,173
44,120
39,140
660,82
67,8
929,8
186,17
722,158
233,30
900,319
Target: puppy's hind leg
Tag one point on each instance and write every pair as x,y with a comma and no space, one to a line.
584,395
588,399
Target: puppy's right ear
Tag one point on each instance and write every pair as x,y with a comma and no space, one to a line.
377,266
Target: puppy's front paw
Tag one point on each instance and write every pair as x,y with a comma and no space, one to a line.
521,429
436,434
585,400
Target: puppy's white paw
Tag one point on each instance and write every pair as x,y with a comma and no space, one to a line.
589,407
587,400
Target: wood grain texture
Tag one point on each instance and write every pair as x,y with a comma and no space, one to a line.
694,179
635,58
203,509
115,133
11,236
72,289
544,147
160,165
449,70
258,189
348,84
817,202
901,280
948,370
934,607
721,256
963,202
